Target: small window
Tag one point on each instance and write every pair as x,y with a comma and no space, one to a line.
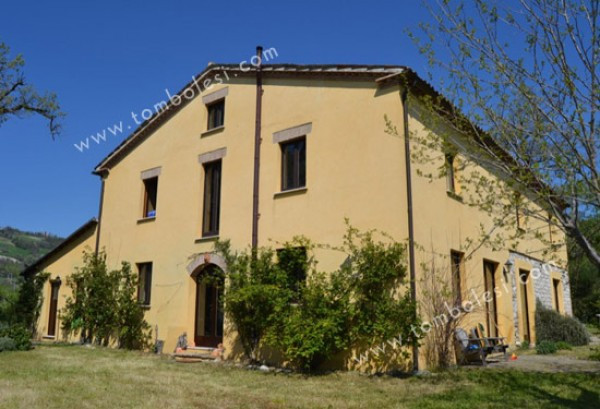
293,164
519,216
450,173
212,198
457,260
216,114
294,262
150,189
556,287
145,283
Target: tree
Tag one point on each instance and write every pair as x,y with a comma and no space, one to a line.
520,79
103,305
19,98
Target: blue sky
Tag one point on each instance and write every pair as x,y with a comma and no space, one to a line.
107,59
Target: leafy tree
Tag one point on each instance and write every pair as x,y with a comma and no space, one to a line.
358,306
29,302
256,292
19,98
585,276
521,80
103,306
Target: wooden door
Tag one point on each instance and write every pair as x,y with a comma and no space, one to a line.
489,270
53,308
209,310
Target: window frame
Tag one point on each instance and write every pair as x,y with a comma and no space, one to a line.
449,163
457,264
210,118
299,173
212,215
146,209
144,269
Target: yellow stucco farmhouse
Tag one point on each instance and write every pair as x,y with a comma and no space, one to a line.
258,155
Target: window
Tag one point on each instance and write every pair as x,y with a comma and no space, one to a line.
294,262
145,283
458,268
216,114
293,164
518,210
212,198
450,173
556,287
150,192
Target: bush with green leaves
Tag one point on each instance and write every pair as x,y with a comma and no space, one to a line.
555,327
545,348
358,306
256,293
563,346
19,334
7,344
26,310
103,306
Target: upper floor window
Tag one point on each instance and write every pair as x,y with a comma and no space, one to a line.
293,164
144,283
216,114
212,198
150,196
450,165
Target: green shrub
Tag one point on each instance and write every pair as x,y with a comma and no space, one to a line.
104,306
524,345
594,355
562,345
546,347
552,326
19,335
360,305
7,344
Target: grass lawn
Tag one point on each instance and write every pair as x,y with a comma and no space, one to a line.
67,377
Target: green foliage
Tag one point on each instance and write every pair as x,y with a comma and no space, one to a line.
357,306
554,327
563,346
256,294
545,348
524,345
7,344
594,354
584,276
318,326
104,305
29,302
20,335
18,98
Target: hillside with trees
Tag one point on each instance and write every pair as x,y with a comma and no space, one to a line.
19,249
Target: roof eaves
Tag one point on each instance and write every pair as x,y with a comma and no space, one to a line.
31,269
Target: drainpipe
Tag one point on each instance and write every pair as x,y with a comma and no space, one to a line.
411,233
257,141
103,175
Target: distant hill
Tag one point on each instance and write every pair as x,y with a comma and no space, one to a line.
19,248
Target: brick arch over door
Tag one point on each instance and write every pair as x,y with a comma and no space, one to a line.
204,259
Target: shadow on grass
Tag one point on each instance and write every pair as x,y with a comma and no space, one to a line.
490,389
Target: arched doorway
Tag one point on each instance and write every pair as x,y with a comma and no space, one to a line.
208,327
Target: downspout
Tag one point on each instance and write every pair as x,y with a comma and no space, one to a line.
103,175
257,141
409,205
